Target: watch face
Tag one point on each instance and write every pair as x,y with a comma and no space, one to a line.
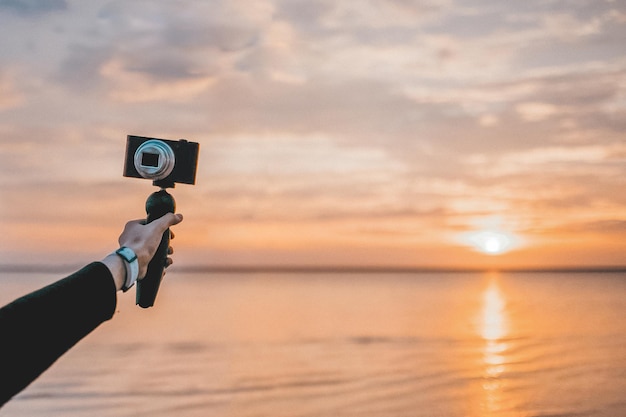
127,254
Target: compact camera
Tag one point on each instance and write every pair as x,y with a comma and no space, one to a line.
166,162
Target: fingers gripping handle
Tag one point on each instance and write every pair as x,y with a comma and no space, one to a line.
157,205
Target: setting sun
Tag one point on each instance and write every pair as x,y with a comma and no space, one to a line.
490,242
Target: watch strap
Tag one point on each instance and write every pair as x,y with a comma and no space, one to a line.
131,264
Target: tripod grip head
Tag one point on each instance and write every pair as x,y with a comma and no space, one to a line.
157,205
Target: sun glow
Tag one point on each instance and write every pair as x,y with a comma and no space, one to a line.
491,242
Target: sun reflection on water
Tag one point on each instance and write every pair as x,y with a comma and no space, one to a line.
493,330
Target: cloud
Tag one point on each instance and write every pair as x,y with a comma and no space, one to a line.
534,111
390,14
33,7
296,177
610,226
570,159
157,44
130,86
10,96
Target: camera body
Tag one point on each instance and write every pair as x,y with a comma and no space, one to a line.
166,162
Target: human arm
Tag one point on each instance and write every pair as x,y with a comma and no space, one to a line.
36,329
39,327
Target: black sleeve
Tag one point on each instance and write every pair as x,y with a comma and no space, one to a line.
38,328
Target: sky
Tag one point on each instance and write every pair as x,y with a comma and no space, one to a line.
403,133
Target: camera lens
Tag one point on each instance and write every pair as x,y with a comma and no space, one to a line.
150,159
154,159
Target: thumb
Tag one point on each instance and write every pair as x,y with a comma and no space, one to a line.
164,222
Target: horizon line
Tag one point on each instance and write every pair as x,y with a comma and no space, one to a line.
311,269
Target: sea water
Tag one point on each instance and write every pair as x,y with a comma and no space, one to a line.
338,344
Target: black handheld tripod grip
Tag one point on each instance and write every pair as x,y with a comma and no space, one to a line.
157,205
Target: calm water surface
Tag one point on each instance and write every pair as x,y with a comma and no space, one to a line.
376,345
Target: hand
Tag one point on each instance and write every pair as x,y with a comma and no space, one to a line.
144,238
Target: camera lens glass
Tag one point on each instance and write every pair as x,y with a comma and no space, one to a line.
154,159
150,159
